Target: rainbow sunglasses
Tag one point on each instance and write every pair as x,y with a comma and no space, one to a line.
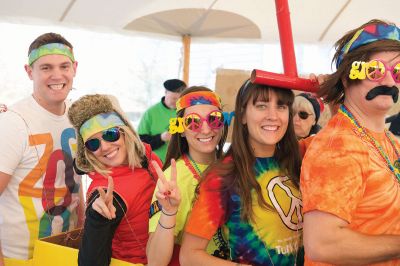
374,70
193,121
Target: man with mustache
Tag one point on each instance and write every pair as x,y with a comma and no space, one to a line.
350,179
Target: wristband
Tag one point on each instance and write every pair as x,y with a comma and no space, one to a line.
165,226
169,214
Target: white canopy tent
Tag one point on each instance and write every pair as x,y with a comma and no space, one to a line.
313,21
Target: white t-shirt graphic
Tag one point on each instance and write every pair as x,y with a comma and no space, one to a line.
37,150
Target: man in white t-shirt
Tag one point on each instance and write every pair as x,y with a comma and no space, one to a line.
40,194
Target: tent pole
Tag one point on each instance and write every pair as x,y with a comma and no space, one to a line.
286,38
186,39
290,79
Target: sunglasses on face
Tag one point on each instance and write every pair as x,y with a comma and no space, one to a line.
303,115
109,135
374,70
194,122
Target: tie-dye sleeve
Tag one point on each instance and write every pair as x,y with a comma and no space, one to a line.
208,212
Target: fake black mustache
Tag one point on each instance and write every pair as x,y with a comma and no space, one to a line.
383,90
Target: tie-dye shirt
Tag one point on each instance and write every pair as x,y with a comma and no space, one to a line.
187,184
273,237
344,175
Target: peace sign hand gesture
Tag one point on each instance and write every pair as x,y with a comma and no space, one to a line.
168,194
104,203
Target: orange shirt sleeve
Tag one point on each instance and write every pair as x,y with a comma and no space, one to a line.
207,214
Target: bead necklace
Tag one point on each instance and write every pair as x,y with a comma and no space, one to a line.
395,168
192,165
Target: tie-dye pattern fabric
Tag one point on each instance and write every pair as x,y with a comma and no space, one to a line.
48,49
343,174
369,34
187,184
273,237
198,97
99,123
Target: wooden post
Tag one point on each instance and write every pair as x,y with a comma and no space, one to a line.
186,57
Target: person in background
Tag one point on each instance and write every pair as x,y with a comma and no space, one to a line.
153,126
394,127
3,108
253,191
40,195
307,109
109,149
197,145
350,173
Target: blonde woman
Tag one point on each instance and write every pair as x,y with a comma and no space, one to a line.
307,111
111,152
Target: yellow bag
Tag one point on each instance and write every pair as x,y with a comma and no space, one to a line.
16,262
62,250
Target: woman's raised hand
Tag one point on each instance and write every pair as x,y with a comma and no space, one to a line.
168,194
104,203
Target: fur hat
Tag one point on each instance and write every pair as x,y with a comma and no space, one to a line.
85,108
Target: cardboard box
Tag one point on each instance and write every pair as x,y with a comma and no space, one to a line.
62,250
15,262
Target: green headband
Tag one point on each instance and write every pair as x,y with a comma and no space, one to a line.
99,123
51,48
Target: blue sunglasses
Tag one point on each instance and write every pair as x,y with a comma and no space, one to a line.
109,135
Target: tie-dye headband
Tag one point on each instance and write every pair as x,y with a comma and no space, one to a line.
99,123
198,97
50,48
369,34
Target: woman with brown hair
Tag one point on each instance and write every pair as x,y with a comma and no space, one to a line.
253,192
199,134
